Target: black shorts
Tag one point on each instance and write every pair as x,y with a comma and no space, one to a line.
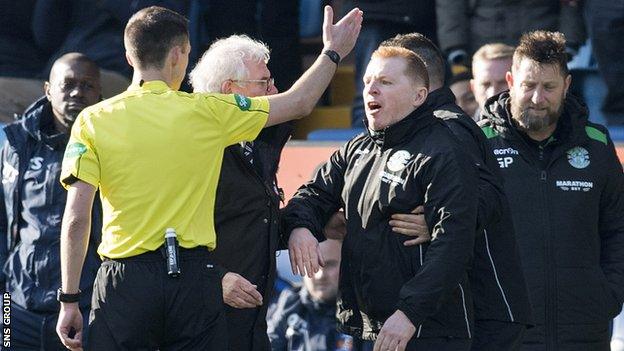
137,306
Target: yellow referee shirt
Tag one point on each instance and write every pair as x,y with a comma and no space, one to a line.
155,155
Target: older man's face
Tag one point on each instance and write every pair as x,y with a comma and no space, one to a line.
257,83
73,86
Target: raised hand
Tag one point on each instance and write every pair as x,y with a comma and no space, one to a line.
341,37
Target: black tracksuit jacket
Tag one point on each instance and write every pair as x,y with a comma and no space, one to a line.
497,280
567,200
415,161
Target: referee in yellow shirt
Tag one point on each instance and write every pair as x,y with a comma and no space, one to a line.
147,151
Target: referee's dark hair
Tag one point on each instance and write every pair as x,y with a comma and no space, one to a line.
151,33
428,52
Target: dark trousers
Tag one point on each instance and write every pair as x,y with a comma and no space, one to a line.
137,306
247,329
429,344
34,331
493,335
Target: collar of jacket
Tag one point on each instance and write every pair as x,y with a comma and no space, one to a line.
403,129
440,97
574,118
36,116
320,308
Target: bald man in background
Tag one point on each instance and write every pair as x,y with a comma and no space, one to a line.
33,203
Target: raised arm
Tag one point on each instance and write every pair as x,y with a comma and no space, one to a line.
300,99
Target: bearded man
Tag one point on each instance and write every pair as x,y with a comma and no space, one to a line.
566,189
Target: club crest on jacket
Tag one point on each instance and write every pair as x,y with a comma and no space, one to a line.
398,161
578,157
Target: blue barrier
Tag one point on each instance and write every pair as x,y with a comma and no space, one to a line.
617,133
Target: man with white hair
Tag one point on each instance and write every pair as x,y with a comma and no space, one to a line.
248,236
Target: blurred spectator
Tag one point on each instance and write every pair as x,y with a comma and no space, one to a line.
464,98
466,25
21,61
605,23
588,83
384,19
19,55
279,28
490,64
304,318
33,202
95,28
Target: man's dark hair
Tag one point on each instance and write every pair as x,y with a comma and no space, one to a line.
543,47
151,33
426,50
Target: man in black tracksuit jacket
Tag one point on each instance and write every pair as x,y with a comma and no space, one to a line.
570,224
566,192
32,203
414,161
501,299
496,277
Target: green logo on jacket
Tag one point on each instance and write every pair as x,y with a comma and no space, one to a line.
243,102
75,150
578,157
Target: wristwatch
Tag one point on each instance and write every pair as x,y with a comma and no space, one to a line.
63,297
334,56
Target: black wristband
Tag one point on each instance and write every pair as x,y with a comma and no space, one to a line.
332,56
62,297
